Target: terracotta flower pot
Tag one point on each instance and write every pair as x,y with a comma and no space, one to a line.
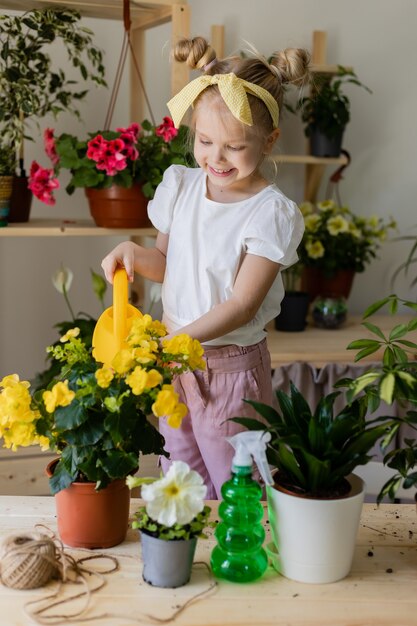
316,283
92,519
118,207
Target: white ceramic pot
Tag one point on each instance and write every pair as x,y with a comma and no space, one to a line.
314,540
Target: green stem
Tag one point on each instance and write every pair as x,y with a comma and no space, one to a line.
64,291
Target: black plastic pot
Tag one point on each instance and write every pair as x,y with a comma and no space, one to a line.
323,146
294,310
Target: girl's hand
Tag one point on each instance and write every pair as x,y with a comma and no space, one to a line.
122,255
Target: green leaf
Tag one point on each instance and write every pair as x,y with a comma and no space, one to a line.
386,389
376,306
374,329
398,331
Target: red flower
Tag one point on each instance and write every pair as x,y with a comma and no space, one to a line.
49,144
42,182
166,130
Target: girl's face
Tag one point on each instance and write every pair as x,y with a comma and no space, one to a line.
228,151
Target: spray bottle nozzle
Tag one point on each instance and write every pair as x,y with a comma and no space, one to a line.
252,444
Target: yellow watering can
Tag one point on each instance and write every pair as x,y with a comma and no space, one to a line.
114,324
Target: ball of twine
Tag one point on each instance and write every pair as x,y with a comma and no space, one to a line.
28,561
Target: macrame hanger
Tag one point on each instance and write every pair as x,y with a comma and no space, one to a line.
335,178
126,45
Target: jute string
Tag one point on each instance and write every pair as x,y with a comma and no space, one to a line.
34,559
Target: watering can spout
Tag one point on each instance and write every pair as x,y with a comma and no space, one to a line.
114,324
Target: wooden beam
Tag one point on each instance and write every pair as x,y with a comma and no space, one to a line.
180,28
217,39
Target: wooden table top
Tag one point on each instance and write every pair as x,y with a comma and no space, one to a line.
320,346
380,591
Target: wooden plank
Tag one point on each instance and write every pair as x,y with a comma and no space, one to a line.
319,50
38,227
217,39
180,28
107,9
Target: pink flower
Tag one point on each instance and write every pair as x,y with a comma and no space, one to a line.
166,130
49,144
96,148
133,129
42,182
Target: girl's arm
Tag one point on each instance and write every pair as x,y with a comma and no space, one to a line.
254,279
148,262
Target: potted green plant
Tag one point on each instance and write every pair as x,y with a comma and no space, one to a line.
336,244
170,522
120,168
316,500
326,111
32,85
96,419
394,380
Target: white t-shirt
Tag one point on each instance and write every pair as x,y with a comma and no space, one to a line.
207,242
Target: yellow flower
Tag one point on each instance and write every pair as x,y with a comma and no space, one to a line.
123,361
70,334
166,401
104,376
167,405
354,231
11,380
59,395
187,347
143,327
143,355
306,208
315,249
19,434
326,205
140,379
373,221
337,225
15,402
175,419
311,222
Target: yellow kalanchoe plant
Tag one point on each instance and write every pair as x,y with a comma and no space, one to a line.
335,238
96,417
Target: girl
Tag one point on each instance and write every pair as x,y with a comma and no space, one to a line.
224,233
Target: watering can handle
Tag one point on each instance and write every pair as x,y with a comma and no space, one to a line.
120,296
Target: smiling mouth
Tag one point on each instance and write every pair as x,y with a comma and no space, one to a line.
218,172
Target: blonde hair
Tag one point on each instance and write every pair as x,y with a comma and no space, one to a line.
289,66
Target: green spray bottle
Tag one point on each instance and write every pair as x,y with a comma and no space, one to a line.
239,555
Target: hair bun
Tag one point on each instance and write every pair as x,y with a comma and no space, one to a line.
292,65
196,52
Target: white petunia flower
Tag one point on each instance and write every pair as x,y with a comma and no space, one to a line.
177,497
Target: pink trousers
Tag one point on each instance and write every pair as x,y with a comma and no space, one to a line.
212,396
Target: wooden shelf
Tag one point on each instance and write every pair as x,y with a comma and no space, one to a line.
147,13
308,159
70,228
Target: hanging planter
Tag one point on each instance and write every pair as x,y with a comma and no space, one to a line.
119,207
92,519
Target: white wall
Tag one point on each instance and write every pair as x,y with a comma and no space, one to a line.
374,37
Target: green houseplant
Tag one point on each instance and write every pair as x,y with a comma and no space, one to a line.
316,500
337,241
395,379
173,517
326,111
32,84
126,165
96,417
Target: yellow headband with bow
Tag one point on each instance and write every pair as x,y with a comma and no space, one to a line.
234,92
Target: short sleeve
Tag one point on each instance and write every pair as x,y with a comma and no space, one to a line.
161,208
276,232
